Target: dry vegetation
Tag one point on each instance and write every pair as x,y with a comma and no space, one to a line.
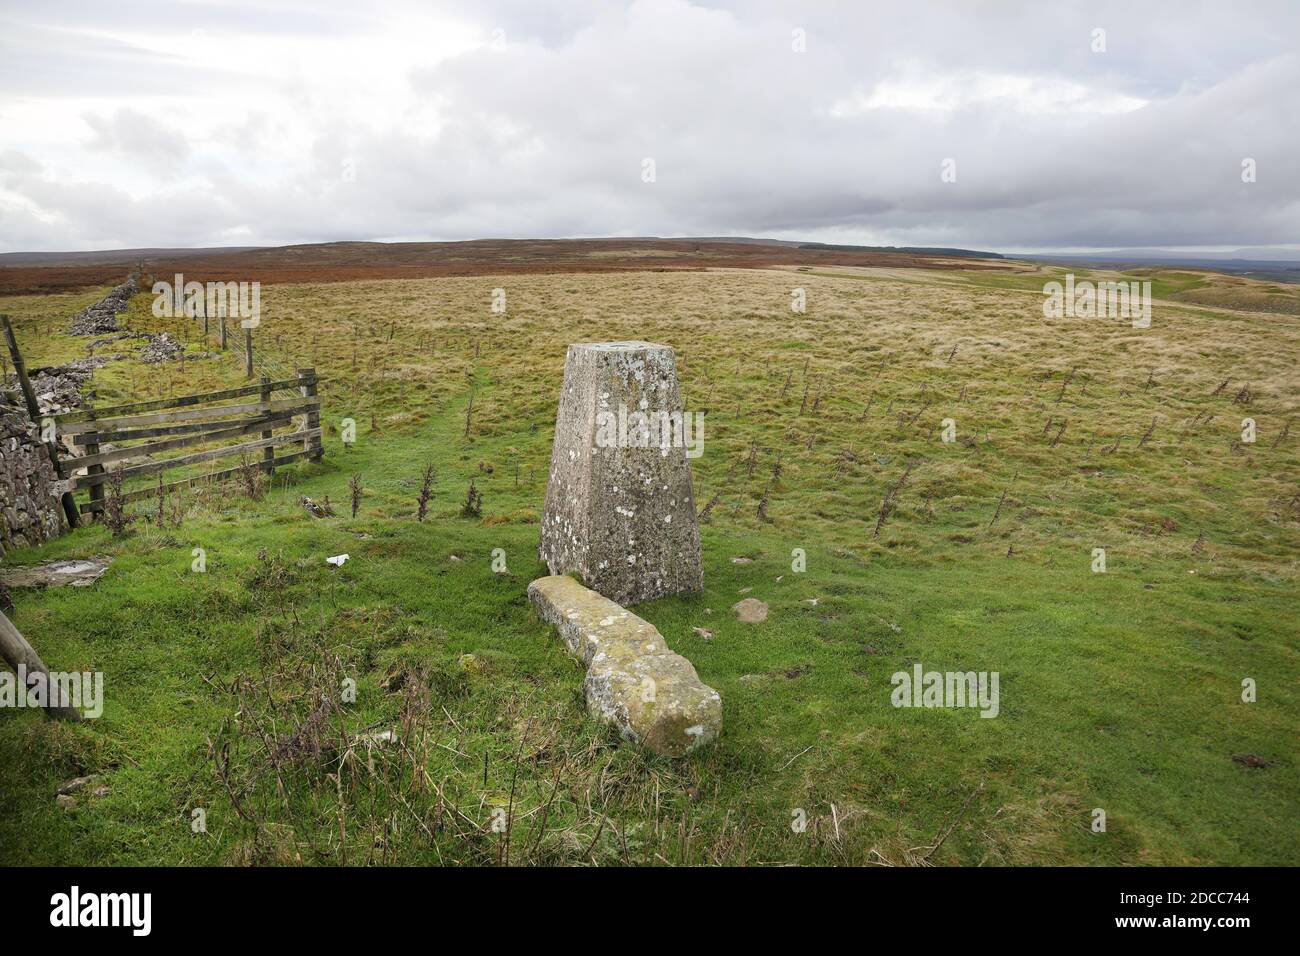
351,261
822,432
1052,412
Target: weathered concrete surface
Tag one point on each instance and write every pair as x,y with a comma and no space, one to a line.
633,680
622,517
55,574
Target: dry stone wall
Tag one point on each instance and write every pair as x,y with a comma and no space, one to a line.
29,492
101,317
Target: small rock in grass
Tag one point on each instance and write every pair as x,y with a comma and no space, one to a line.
338,560
704,633
66,802
76,783
750,611
1254,761
316,509
741,560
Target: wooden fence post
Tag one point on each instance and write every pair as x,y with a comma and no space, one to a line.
268,453
221,332
248,353
89,445
307,378
15,649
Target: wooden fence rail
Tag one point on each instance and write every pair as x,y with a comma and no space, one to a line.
153,467
232,431
97,425
182,416
180,401
152,491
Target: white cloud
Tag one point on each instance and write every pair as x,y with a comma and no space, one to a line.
156,124
922,91
158,147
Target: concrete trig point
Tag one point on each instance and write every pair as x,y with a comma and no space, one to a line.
620,512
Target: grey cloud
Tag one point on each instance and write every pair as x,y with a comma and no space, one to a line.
144,139
546,136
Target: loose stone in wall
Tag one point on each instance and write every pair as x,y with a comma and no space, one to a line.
29,494
101,318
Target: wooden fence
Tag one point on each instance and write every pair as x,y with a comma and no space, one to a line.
193,420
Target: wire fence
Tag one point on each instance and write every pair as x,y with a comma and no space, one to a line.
265,360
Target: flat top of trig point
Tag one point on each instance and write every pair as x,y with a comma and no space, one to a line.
618,346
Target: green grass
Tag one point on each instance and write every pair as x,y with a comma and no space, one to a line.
1118,690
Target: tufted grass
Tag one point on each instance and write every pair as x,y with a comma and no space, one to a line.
1119,691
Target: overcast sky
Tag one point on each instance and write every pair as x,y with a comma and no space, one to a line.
129,124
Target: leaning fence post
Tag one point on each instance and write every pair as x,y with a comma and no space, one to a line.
307,386
19,653
268,453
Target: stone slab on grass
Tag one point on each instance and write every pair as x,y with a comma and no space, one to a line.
79,572
634,680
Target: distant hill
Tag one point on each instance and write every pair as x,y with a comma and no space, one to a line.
44,272
1255,264
910,250
102,256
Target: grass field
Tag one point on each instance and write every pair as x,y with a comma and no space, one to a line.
1119,690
